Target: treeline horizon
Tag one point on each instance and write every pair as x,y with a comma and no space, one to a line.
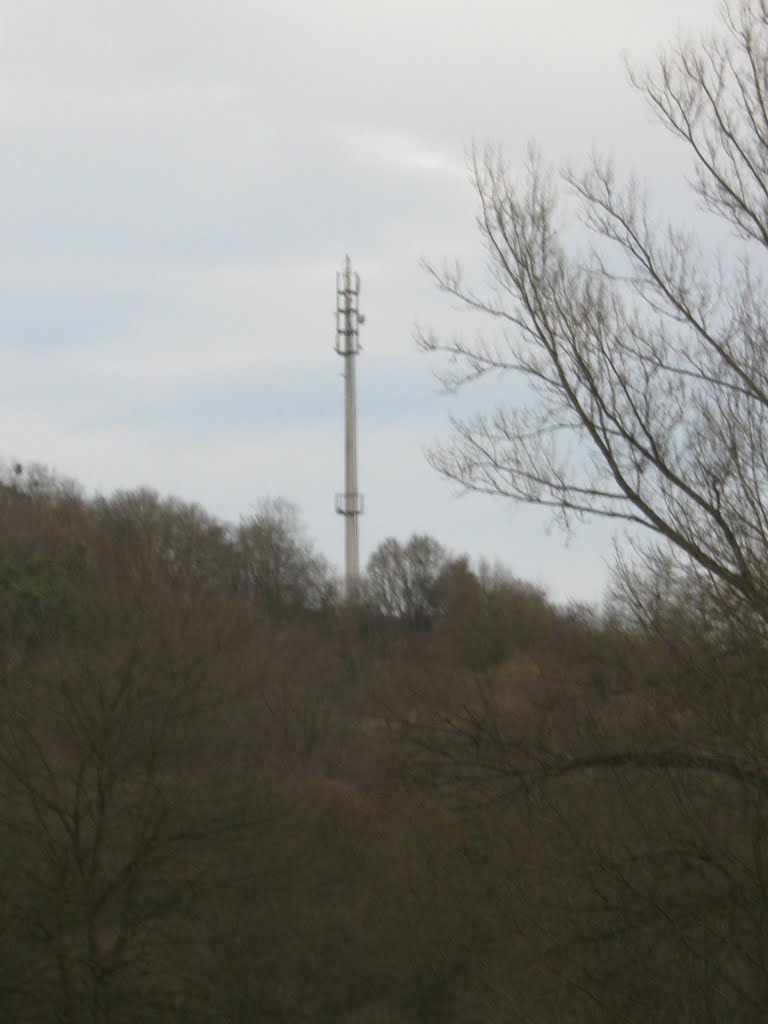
400,578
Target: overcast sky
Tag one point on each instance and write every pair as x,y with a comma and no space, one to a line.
181,180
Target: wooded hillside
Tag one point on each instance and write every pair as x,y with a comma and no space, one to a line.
227,796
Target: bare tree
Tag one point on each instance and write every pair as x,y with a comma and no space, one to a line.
403,580
120,774
647,362
277,562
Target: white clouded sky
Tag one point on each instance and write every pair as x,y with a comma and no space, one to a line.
181,180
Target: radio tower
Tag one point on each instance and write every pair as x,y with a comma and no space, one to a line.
350,503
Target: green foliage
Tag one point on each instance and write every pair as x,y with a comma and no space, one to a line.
36,595
38,585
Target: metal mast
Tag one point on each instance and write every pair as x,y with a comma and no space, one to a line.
349,503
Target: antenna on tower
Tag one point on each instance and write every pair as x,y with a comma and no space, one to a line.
350,502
